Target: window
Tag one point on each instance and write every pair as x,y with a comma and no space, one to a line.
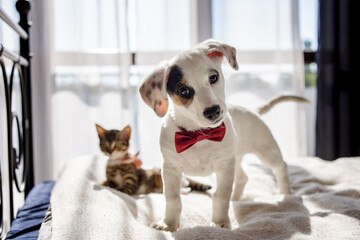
103,49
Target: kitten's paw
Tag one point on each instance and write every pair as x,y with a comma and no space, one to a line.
165,227
225,224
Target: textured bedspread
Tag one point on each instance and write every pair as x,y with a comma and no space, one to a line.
325,205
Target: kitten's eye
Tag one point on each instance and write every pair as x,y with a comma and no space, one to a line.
213,78
121,146
186,92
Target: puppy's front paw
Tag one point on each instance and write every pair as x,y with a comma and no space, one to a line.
162,226
225,224
235,198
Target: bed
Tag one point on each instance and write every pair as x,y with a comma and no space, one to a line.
325,204
325,200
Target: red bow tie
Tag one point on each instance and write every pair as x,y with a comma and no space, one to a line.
186,139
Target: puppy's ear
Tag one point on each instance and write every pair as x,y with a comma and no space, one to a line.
153,90
217,50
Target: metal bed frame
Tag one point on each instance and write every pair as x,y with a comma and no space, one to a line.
19,122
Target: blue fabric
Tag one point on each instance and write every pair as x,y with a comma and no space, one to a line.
30,216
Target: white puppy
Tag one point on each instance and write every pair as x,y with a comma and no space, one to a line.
201,135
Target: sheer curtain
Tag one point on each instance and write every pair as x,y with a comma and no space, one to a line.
91,75
158,38
94,78
101,50
266,35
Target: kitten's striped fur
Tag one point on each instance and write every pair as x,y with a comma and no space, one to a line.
125,177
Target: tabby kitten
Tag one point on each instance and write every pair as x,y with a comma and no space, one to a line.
123,170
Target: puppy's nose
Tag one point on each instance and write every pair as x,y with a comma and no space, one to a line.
212,113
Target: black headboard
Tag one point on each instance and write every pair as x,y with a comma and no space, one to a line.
19,146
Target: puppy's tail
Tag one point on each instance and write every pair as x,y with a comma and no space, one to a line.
283,98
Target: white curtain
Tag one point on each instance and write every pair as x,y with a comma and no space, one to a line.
91,75
92,79
266,35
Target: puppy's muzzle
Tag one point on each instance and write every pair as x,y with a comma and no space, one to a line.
212,113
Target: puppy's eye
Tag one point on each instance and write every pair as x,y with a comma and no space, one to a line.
186,92
213,78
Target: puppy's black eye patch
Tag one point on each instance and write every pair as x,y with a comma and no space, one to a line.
178,88
186,92
174,79
177,85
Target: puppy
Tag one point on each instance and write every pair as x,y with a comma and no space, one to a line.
201,134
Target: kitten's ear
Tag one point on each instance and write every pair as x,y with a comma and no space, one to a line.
126,132
217,50
100,130
153,89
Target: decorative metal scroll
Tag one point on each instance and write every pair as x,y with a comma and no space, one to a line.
17,129
6,95
18,116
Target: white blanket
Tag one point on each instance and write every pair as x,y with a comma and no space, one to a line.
325,205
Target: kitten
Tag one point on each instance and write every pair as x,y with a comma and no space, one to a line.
123,170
